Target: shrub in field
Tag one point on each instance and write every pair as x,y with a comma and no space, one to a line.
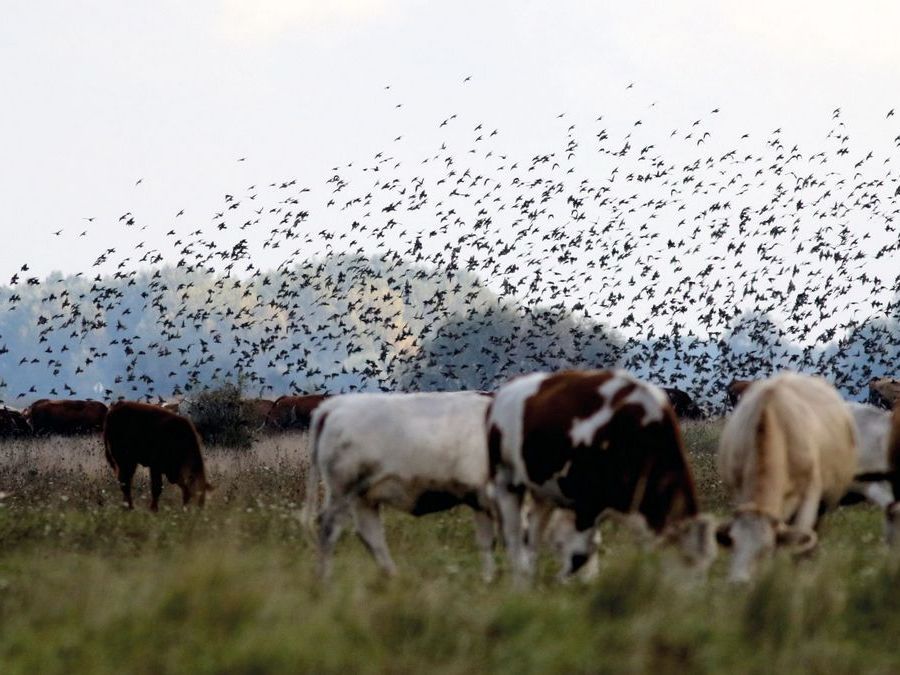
221,417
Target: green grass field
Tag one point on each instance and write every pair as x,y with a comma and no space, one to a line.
86,586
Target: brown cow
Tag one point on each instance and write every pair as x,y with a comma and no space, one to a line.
257,411
293,412
66,416
166,443
13,423
884,392
736,389
589,443
683,404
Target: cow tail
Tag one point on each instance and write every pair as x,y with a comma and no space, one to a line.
310,511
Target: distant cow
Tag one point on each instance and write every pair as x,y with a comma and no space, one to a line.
257,411
590,442
419,453
736,389
66,416
166,443
13,423
788,449
293,412
683,404
884,392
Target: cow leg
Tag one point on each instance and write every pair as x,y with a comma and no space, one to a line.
370,529
808,512
485,540
509,506
538,519
125,475
155,489
331,522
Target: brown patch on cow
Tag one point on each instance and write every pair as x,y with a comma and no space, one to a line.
628,466
771,453
495,456
166,443
293,412
66,417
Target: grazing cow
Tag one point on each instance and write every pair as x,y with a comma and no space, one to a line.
884,392
590,442
873,427
419,453
13,423
166,443
736,389
293,412
66,416
257,411
788,449
683,404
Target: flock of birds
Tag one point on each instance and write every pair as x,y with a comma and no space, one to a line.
687,266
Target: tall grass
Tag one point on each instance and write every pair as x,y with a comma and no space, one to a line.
86,586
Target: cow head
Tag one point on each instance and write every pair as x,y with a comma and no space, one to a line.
695,540
194,486
754,536
573,548
892,524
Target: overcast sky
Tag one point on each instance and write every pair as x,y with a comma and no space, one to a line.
99,94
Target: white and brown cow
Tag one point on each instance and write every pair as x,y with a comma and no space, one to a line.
788,448
419,453
590,442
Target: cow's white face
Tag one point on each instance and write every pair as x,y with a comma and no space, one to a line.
575,550
892,524
752,538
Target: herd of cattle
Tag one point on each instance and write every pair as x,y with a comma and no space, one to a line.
542,461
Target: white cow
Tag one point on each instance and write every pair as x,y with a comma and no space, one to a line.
873,428
419,453
788,448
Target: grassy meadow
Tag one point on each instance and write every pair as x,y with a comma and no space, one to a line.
86,586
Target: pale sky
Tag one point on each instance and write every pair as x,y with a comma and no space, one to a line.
99,94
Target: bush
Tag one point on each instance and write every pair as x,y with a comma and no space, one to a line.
221,417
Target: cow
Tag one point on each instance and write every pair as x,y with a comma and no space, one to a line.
683,404
736,389
66,417
884,392
419,453
13,423
293,412
590,442
872,427
257,411
164,442
788,450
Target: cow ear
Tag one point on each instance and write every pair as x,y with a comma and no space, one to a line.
723,534
798,541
